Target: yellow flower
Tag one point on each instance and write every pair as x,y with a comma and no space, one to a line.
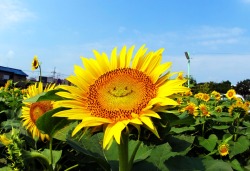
35,63
204,110
238,107
119,91
223,149
192,109
230,93
218,109
205,97
198,95
216,95
4,140
32,111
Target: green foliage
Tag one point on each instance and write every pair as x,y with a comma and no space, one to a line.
187,141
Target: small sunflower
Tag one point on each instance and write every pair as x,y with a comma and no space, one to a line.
35,63
32,111
223,149
116,92
192,109
205,97
216,95
204,110
230,93
5,140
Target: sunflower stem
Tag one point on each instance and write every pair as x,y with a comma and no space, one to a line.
40,70
123,152
131,160
51,152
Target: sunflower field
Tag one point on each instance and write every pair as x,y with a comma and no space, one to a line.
126,112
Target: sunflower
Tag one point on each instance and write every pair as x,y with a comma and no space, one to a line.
119,91
223,149
230,93
216,95
192,109
32,111
35,63
204,110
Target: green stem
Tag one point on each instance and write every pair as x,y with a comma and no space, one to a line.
72,167
123,152
51,152
237,128
40,70
203,129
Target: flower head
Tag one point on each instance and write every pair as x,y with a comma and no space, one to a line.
32,111
223,149
35,63
116,92
204,110
230,93
192,109
216,95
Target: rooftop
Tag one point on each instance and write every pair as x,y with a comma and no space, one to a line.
13,70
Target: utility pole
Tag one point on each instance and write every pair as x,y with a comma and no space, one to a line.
54,74
188,58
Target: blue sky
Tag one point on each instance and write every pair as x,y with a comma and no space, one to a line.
216,33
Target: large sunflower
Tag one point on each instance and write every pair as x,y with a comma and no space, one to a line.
32,111
116,92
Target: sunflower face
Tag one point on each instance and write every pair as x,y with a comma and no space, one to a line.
32,111
116,92
35,63
119,93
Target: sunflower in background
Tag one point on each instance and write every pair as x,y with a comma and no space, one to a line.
32,111
35,63
119,91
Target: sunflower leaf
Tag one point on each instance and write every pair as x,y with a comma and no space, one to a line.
50,125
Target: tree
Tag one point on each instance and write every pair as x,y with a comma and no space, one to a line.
243,87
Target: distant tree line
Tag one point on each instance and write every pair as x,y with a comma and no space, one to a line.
242,87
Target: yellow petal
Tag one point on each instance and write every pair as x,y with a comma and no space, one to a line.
123,57
113,59
129,56
137,56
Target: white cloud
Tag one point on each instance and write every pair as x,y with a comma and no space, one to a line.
215,36
12,12
121,29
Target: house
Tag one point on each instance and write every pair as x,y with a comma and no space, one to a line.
16,75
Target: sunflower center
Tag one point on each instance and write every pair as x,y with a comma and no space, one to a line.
39,108
119,93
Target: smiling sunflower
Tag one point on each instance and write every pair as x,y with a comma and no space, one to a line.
119,91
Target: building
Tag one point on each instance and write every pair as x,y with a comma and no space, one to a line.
16,75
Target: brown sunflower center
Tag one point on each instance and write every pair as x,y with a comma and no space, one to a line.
39,108
119,93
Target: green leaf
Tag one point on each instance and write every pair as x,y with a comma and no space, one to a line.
62,134
188,120
209,143
6,168
56,154
221,127
224,119
51,95
236,165
34,98
240,146
50,125
190,164
11,123
91,146
182,129
142,153
155,161
216,165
